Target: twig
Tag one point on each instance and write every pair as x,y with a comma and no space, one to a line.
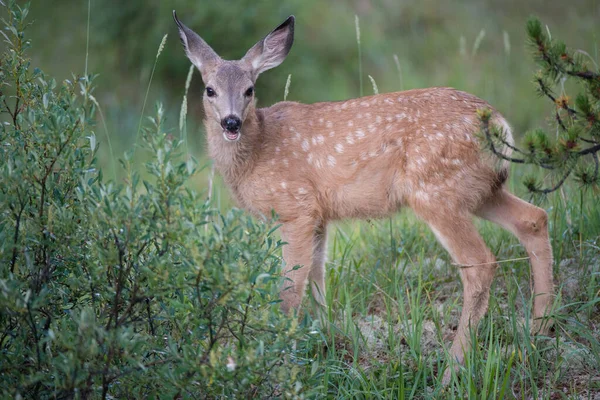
558,185
490,263
486,130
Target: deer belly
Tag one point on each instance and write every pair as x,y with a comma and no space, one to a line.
370,195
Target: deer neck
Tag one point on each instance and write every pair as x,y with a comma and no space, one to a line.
235,160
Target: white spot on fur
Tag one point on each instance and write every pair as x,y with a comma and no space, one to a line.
360,134
364,104
371,128
339,148
283,185
349,139
320,139
309,158
421,195
331,134
277,149
305,145
350,123
378,119
286,162
302,191
314,141
320,120
389,119
330,160
389,101
318,163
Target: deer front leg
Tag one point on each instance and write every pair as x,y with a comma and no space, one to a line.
298,257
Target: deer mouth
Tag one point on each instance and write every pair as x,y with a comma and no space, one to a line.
231,136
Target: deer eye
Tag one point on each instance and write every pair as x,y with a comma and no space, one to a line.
249,92
210,92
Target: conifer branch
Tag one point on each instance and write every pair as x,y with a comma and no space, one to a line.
578,122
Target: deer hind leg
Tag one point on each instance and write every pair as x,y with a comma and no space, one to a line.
530,225
300,236
476,265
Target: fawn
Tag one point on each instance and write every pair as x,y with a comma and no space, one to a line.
365,158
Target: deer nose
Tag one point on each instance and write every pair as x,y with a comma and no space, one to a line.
231,123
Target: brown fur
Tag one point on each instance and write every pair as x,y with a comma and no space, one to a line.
365,158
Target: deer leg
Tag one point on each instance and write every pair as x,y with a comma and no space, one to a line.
530,224
476,265
298,259
316,276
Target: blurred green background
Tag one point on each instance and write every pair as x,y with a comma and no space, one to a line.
476,46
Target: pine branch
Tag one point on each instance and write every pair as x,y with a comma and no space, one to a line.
490,141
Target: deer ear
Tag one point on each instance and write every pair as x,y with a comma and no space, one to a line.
199,53
272,50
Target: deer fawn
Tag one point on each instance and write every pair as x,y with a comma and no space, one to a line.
365,158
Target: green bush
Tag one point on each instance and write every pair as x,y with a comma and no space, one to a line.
132,290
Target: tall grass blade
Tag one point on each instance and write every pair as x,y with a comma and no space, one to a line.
397,62
374,84
110,148
478,41
160,49
286,91
87,39
360,74
184,109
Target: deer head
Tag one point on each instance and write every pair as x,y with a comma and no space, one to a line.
229,94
